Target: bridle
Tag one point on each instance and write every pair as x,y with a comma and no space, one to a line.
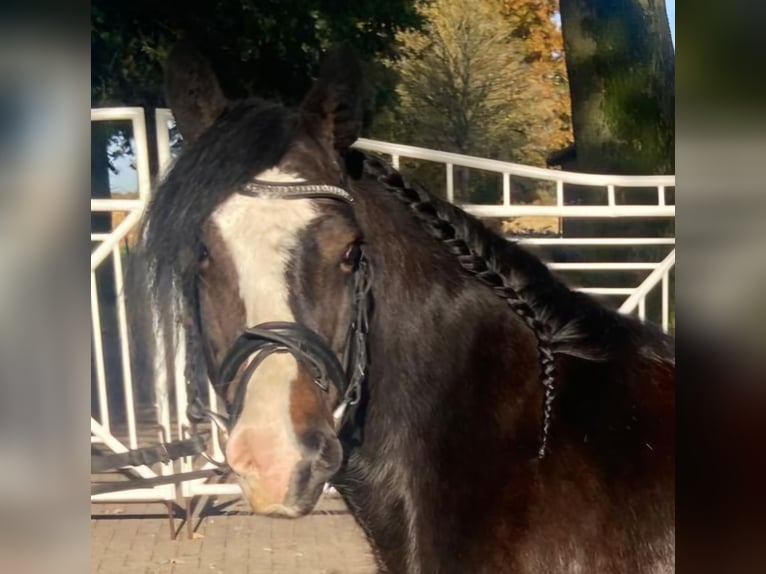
308,347
260,341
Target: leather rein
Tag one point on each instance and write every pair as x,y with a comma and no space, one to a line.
307,346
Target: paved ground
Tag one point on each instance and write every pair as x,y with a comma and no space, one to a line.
135,539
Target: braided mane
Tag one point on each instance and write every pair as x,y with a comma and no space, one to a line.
577,324
563,321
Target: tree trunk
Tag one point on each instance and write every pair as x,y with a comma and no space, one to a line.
621,68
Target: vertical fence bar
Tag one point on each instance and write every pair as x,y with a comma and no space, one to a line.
161,118
506,189
179,376
98,352
160,379
179,379
450,183
665,302
642,308
660,195
122,325
395,161
610,195
559,203
142,156
217,450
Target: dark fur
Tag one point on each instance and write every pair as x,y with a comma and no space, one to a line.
447,477
453,417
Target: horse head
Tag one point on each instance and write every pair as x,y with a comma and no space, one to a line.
254,222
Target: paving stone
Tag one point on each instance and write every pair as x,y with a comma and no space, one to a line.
135,539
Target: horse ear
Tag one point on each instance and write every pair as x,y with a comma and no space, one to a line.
336,97
192,91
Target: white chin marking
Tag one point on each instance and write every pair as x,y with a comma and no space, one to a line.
276,175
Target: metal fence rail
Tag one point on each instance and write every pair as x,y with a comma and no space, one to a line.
106,245
508,170
168,403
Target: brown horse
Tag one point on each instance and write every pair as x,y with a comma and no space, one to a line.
493,419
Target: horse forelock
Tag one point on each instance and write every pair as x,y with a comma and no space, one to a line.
251,137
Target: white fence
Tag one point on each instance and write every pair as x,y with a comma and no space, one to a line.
120,426
636,295
102,429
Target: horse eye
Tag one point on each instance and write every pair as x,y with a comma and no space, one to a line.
351,257
203,257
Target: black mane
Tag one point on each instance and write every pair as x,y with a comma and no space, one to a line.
577,324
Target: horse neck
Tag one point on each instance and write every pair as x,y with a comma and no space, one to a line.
437,332
451,367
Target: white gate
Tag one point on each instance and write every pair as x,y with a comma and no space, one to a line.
105,430
121,425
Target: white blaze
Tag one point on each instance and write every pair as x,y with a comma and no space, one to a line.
260,235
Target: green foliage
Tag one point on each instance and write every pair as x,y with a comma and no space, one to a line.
267,48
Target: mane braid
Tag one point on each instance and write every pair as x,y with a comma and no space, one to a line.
441,228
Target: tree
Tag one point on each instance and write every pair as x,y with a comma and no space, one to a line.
470,84
455,75
264,48
269,49
621,67
534,23
475,81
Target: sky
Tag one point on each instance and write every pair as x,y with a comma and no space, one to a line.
670,6
126,179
